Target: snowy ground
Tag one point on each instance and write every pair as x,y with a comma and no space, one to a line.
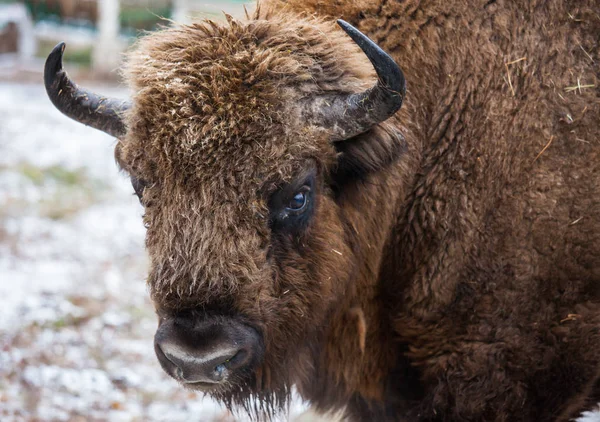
76,324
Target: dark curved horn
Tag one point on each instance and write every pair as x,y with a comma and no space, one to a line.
352,114
79,104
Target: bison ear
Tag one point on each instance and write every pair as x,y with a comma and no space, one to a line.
368,153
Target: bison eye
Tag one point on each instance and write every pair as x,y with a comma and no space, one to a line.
299,201
292,206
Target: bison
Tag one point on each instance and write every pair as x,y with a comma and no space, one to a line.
435,262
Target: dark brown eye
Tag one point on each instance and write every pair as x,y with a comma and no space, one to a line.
298,202
292,206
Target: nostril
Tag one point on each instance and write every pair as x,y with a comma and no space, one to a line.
238,360
206,353
161,353
211,368
167,362
220,371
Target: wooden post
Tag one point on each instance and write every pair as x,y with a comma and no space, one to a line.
106,54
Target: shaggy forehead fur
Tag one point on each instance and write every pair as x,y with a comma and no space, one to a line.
216,127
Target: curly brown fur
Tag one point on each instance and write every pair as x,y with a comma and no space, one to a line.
450,271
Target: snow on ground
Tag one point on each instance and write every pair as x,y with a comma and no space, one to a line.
76,324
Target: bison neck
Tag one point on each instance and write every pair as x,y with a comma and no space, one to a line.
357,361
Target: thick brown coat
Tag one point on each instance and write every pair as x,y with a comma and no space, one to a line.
451,269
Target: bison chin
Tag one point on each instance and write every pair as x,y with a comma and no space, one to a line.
259,404
245,392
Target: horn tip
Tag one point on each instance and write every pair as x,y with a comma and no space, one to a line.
54,60
53,63
58,50
345,25
385,66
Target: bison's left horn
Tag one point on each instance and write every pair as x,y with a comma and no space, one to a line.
352,114
105,114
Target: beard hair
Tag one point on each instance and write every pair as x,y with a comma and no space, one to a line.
244,395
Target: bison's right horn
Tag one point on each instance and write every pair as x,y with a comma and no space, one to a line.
105,114
352,114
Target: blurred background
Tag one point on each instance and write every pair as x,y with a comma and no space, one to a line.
76,324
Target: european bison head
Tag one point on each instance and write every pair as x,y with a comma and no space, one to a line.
246,143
